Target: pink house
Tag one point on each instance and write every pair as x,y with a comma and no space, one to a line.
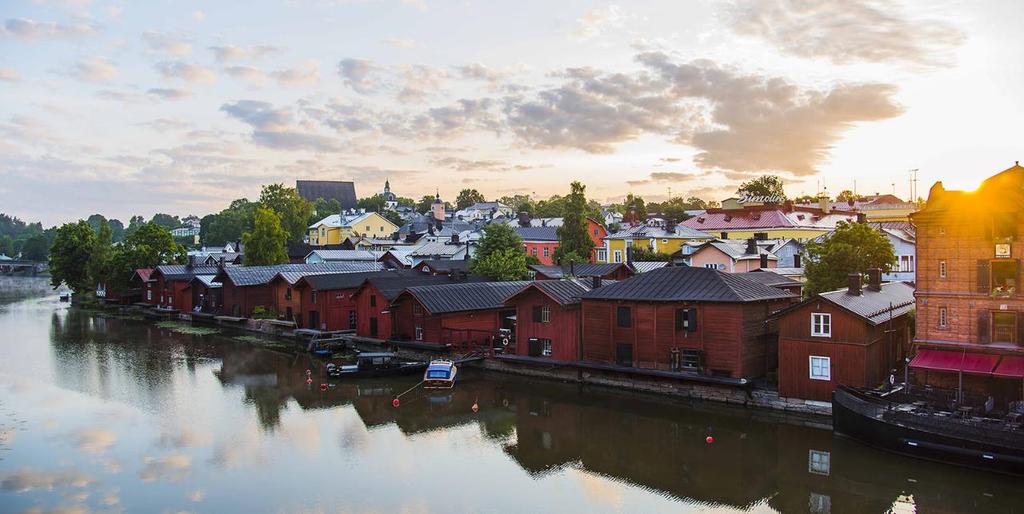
732,256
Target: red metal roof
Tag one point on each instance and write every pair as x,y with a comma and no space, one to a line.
144,273
1010,366
940,360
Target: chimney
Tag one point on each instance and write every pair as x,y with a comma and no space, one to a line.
595,282
787,206
875,279
191,261
862,217
670,226
524,219
854,284
823,204
438,224
629,256
751,246
466,256
455,239
764,261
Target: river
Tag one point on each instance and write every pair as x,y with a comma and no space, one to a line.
101,414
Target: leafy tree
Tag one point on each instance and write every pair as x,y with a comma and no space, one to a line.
846,195
228,225
393,217
265,245
532,260
643,254
424,204
292,210
763,186
166,220
405,202
851,248
518,203
134,223
7,246
100,259
375,203
96,221
634,209
468,197
36,248
324,207
805,199
116,230
574,242
499,254
146,247
70,254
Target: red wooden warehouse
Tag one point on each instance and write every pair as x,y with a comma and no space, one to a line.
171,284
695,320
464,315
548,318
854,336
373,301
328,301
247,287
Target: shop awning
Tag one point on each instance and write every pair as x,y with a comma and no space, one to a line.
1010,367
941,360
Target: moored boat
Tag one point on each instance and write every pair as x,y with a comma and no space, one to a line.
917,430
375,364
440,374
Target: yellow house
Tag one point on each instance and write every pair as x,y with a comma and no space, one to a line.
655,239
336,228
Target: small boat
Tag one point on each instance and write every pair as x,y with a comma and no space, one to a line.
440,374
915,431
375,364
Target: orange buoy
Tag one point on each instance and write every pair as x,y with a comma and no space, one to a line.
709,439
476,408
323,387
396,402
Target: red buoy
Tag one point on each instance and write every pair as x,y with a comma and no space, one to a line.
323,387
308,372
309,380
396,402
709,439
476,408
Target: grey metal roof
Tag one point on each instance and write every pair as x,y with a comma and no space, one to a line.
538,233
565,292
579,270
346,255
464,296
683,283
645,266
391,286
438,249
331,281
447,265
737,250
875,307
259,275
184,271
770,279
343,192
645,231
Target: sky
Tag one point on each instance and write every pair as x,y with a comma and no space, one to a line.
168,106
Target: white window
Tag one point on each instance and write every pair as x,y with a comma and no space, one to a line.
943,317
821,325
149,295
602,255
942,269
821,368
547,251
905,263
547,347
419,333
545,314
819,462
711,265
618,255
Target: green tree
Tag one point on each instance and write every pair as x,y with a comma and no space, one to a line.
643,254
393,217
292,210
228,225
70,254
499,254
518,203
851,248
467,197
324,207
424,204
405,202
373,203
7,246
574,242
134,223
166,220
805,199
846,195
96,221
36,248
116,230
265,245
100,259
764,186
147,247
634,209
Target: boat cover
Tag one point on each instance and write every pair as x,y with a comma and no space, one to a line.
1010,366
941,360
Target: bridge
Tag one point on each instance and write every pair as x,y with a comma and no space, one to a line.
22,267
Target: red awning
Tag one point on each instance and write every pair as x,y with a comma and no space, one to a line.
941,360
1012,367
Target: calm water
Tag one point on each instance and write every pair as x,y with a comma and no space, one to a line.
109,415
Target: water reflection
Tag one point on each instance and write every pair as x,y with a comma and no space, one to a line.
105,413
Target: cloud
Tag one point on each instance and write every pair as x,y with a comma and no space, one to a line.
273,127
400,43
306,74
172,467
248,74
26,29
238,53
363,76
187,72
94,70
169,93
199,15
94,440
419,82
9,75
671,176
167,43
597,22
452,120
27,479
420,5
845,31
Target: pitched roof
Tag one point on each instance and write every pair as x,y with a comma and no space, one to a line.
683,283
579,270
343,220
537,233
331,281
184,271
391,286
565,292
144,273
737,250
207,280
646,231
343,192
346,255
745,219
258,275
875,307
464,296
440,249
446,265
770,279
645,266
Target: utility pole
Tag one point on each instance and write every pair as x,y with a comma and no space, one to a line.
913,185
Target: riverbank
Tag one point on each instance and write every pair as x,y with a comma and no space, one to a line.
647,382
14,288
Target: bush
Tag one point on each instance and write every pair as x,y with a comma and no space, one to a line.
261,312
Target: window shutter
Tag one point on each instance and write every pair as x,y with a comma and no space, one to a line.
984,285
536,314
691,320
983,326
680,317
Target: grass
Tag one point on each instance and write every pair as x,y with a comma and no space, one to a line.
182,327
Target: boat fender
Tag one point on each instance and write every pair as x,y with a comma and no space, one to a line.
504,341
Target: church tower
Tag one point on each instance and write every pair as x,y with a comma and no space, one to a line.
437,208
